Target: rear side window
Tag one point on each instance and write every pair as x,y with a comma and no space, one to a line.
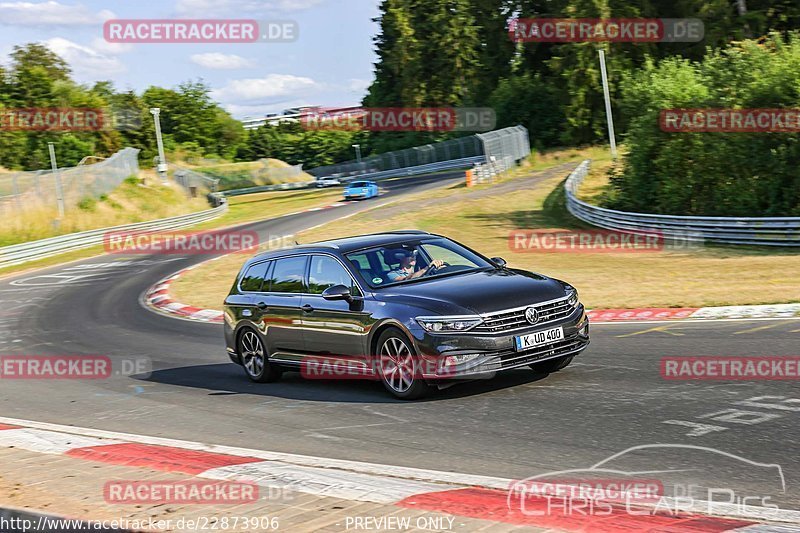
288,274
254,277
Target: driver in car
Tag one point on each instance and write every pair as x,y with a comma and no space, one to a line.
408,263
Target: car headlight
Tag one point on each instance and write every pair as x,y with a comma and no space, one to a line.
572,297
447,324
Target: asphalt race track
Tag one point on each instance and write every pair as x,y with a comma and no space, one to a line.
518,425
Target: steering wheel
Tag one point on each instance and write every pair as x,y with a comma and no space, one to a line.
433,269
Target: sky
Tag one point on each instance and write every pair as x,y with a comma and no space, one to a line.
329,64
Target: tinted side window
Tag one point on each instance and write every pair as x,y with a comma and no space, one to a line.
254,277
288,274
326,272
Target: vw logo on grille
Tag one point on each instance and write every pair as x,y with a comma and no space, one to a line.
532,315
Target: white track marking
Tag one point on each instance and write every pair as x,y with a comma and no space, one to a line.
300,467
685,321
766,528
433,476
325,482
37,440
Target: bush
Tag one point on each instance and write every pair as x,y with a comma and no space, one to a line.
714,174
87,204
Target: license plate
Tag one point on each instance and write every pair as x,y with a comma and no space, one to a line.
540,338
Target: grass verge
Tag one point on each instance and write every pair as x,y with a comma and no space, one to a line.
130,202
482,218
242,209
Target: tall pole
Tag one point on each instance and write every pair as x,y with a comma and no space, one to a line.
358,152
609,118
57,177
162,159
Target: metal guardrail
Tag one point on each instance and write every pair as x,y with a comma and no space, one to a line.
465,163
453,164
30,251
759,231
426,154
267,188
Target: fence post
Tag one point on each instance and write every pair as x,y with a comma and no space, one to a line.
15,188
59,191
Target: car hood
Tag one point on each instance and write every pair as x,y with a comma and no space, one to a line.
476,292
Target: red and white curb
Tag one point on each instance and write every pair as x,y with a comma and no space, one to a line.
158,297
465,495
729,312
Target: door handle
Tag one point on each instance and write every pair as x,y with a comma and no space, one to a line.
262,306
307,308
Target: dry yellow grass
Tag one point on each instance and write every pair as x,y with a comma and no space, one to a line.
551,158
483,218
259,172
242,209
710,276
207,285
265,205
595,183
128,203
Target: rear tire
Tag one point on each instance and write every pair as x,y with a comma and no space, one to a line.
254,359
398,366
553,365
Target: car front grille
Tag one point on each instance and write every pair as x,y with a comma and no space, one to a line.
513,358
515,318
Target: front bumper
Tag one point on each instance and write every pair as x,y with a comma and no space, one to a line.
496,352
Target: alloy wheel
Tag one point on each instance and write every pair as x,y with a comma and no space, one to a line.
397,364
252,354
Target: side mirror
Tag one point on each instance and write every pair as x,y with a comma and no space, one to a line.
499,261
337,292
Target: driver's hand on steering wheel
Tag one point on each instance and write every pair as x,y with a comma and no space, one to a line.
435,264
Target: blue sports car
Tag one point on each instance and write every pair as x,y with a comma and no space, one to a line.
361,190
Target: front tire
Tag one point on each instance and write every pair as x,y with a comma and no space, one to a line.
398,366
254,360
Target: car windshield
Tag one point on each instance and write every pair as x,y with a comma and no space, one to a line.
359,184
414,260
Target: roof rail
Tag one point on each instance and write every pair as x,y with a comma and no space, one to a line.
320,244
401,231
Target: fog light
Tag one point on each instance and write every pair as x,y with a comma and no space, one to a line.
452,360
